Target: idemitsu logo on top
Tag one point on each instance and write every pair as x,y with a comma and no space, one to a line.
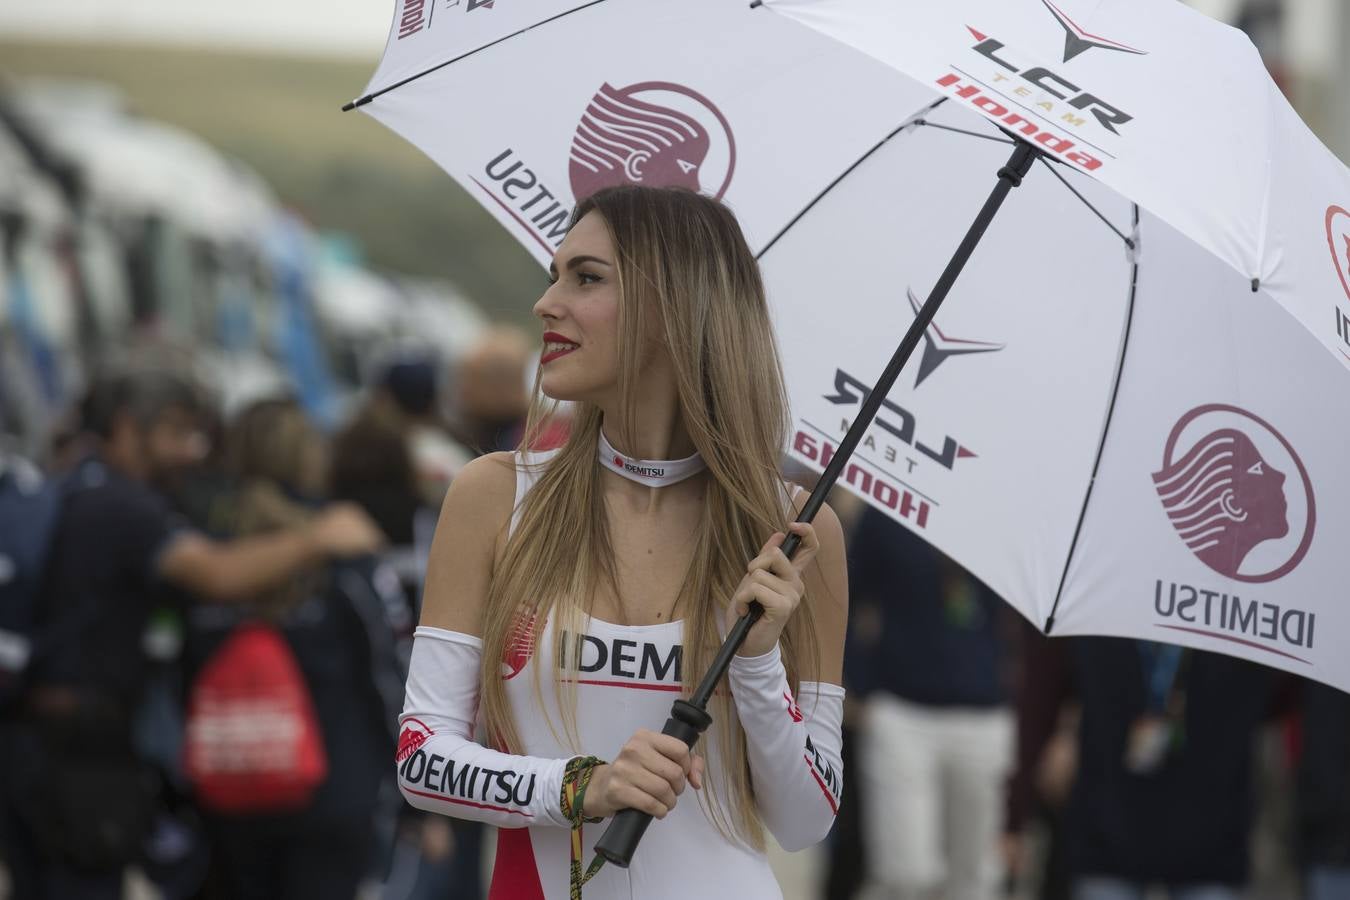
1338,242
654,133
1236,493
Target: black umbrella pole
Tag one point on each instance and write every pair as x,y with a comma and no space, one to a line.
689,718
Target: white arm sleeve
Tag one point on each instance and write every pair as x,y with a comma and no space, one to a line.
794,748
440,768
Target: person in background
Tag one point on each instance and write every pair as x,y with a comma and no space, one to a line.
1163,795
336,619
374,465
928,655
76,794
492,395
407,397
1322,811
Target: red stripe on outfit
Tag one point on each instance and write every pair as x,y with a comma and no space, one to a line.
834,806
515,875
444,799
631,685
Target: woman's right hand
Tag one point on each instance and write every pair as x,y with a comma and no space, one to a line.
649,774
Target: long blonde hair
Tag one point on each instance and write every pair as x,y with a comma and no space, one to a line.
685,272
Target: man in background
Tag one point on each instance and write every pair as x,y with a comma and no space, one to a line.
78,798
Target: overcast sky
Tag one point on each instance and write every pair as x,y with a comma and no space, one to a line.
339,27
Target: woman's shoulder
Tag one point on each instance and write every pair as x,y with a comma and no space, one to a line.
485,487
488,485
488,472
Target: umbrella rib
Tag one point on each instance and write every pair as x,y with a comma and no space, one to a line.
844,174
1106,429
1129,242
348,107
986,137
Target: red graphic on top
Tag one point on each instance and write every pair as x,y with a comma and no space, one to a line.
415,733
793,710
519,647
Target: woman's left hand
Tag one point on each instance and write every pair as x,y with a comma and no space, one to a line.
776,583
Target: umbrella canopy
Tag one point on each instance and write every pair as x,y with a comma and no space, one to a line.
1170,108
1124,420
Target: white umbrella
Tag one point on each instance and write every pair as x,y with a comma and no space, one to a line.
1130,418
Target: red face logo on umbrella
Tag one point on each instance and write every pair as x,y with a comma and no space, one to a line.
1226,486
653,133
1338,241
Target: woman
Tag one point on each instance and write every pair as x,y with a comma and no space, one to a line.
580,591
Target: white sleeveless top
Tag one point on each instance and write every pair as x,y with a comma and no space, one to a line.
629,676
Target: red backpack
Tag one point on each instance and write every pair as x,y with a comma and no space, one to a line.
253,742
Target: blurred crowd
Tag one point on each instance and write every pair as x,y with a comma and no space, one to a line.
223,443
206,626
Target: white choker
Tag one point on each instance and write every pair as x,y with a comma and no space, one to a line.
651,472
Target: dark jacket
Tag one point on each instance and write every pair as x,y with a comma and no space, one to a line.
920,626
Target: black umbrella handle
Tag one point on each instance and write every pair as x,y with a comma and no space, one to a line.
689,718
621,838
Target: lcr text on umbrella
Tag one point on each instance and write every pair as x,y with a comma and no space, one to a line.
986,104
1109,116
849,390
900,499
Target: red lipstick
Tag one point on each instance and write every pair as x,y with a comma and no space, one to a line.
552,337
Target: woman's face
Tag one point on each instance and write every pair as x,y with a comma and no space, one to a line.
580,314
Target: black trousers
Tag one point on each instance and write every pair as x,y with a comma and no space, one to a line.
289,857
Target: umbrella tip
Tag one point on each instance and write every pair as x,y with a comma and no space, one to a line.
1256,285
754,3
348,107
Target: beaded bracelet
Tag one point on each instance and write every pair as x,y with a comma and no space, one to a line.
576,778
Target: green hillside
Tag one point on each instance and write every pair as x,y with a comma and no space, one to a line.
342,171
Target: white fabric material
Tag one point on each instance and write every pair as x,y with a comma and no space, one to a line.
440,767
529,466
651,472
628,678
934,779
794,747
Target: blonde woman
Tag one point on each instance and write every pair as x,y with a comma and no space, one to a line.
573,594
